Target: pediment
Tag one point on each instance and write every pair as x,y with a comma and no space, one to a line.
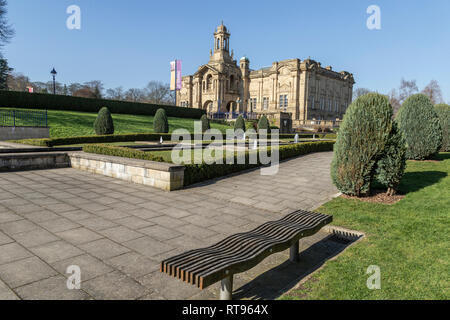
204,69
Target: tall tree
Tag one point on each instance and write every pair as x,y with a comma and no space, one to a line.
433,91
407,89
96,86
158,93
5,71
115,94
6,31
360,92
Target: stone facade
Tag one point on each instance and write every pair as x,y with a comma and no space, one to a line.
302,88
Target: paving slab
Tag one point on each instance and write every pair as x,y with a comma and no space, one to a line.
118,232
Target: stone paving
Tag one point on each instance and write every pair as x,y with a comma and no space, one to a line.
118,232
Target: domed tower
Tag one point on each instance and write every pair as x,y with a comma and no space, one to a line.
221,45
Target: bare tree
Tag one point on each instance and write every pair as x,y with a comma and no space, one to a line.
115,94
407,89
394,100
358,92
135,95
158,93
433,91
96,86
6,31
18,82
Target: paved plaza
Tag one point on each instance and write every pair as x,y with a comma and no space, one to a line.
118,232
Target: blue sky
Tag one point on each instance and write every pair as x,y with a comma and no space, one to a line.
128,43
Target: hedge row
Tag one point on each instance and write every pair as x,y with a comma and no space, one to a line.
96,139
195,173
52,142
121,152
17,99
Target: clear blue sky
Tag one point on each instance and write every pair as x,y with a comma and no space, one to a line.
128,43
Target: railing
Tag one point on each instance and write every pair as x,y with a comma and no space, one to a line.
23,118
232,115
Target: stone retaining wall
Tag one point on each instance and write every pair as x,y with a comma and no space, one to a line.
18,133
33,161
160,175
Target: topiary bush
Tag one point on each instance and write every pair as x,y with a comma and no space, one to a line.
205,123
419,124
362,138
391,166
239,124
160,122
104,123
443,112
263,124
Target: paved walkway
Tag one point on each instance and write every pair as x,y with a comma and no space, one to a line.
118,232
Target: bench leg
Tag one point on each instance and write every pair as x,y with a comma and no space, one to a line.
294,254
226,288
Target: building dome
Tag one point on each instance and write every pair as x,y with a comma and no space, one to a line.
244,58
222,28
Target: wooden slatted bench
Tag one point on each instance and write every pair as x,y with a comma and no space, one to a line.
243,251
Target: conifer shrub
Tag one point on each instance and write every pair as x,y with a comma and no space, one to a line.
239,124
391,166
419,124
263,124
205,123
160,122
104,124
361,142
443,112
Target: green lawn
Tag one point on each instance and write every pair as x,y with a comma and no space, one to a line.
409,241
70,123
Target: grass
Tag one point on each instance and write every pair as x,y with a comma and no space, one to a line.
69,123
409,241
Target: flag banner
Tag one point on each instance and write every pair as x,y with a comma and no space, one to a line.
172,75
179,82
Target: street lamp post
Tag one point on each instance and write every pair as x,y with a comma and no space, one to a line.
53,72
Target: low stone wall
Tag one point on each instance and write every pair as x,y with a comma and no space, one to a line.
18,133
160,175
33,161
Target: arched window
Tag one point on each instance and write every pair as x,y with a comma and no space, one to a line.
208,82
218,43
231,82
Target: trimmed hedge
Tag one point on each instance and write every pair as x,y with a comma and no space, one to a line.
104,123
121,152
239,124
419,124
195,173
16,99
362,139
53,142
263,124
160,122
443,112
95,139
205,123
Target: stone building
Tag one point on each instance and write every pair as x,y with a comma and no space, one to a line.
301,90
